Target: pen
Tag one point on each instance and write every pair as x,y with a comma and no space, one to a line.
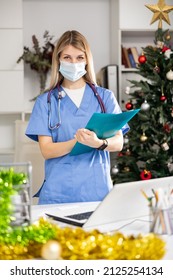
147,197
156,195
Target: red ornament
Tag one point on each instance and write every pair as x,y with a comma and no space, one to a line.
129,106
142,59
165,48
167,127
145,175
163,98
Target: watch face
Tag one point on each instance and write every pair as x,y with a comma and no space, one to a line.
105,145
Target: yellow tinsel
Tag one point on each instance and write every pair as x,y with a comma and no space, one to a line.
78,244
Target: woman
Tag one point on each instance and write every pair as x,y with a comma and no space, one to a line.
58,120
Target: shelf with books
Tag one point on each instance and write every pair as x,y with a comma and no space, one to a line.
129,57
131,43
128,70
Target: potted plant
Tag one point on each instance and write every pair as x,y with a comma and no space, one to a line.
39,58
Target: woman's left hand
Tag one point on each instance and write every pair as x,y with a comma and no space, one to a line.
88,137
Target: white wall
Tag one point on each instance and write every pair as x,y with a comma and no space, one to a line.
134,14
11,74
90,17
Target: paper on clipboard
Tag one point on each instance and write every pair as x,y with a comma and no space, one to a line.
105,126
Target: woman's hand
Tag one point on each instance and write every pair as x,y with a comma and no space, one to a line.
88,138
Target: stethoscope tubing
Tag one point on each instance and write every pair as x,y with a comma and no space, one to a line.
102,106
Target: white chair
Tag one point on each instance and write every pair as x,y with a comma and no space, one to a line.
27,150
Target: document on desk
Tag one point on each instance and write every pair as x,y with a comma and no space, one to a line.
105,126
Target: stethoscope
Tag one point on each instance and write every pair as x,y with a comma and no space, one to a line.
62,94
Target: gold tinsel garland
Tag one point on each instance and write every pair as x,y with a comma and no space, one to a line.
77,244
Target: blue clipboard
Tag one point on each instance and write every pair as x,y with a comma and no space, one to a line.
105,126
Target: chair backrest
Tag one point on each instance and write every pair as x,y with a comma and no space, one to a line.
27,150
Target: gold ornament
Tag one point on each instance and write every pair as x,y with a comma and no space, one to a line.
143,137
126,169
51,250
160,11
168,36
78,244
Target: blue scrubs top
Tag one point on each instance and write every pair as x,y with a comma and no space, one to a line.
80,178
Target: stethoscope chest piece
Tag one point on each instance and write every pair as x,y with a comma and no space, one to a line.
61,94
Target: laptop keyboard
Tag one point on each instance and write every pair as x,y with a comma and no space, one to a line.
81,216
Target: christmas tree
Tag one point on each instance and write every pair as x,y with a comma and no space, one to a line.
148,146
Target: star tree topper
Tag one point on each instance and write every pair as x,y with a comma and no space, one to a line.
160,11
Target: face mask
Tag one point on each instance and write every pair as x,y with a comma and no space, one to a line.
72,71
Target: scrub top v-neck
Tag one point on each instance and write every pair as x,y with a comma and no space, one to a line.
80,178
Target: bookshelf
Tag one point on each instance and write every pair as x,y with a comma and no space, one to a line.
134,29
129,39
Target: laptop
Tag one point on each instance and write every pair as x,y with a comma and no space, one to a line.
124,203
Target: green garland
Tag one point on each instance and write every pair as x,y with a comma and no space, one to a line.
26,242
10,183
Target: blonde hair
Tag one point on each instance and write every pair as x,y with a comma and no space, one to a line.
77,40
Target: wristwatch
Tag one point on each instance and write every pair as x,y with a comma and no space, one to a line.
104,145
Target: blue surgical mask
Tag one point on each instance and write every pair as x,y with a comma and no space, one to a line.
72,71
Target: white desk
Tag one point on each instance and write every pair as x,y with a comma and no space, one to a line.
131,227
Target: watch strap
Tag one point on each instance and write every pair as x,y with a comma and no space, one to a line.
104,145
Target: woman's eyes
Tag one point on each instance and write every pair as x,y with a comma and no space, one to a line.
66,57
79,58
